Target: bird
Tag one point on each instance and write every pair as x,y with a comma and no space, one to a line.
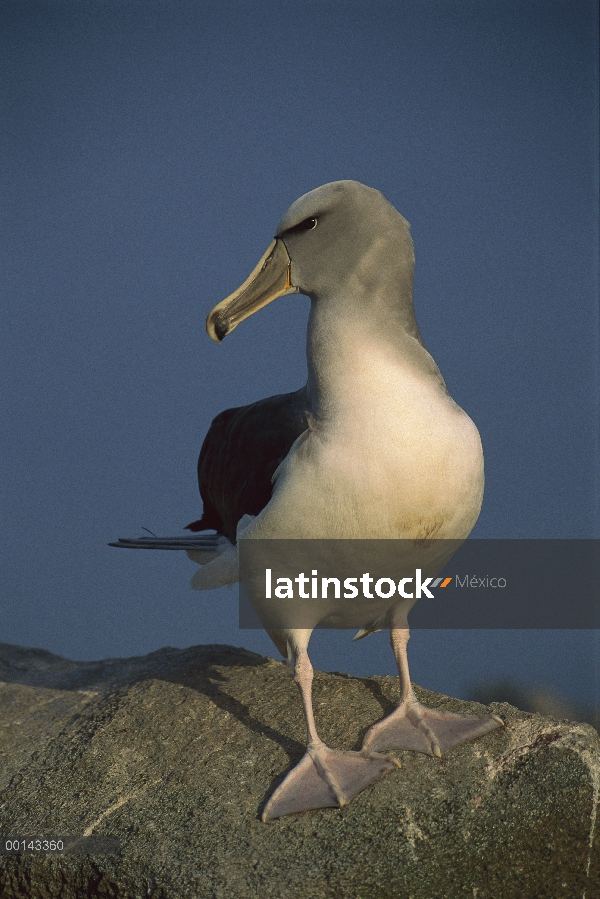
373,447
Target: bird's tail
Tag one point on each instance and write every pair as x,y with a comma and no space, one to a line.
205,546
215,554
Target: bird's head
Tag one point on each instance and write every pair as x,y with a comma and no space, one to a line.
341,239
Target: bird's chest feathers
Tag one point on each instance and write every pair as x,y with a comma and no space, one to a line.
393,456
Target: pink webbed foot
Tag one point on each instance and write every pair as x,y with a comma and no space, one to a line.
413,726
326,778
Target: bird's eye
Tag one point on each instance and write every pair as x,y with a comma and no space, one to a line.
306,225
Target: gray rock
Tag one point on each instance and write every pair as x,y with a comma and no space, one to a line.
176,752
536,698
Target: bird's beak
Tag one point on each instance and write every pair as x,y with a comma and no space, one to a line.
270,279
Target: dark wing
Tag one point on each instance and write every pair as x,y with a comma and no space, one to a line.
239,456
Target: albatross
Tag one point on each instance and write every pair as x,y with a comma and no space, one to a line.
372,447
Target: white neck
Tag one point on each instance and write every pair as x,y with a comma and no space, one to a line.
359,359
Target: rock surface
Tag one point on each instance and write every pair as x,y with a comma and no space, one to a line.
175,753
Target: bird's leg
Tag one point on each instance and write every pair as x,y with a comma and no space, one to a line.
414,726
324,778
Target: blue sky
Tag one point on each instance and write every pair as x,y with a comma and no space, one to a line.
148,152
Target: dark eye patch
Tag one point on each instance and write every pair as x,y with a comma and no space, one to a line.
306,225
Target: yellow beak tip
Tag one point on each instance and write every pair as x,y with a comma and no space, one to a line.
270,279
216,330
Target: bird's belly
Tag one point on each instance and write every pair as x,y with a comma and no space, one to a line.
387,478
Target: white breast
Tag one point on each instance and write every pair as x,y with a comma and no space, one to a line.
396,458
